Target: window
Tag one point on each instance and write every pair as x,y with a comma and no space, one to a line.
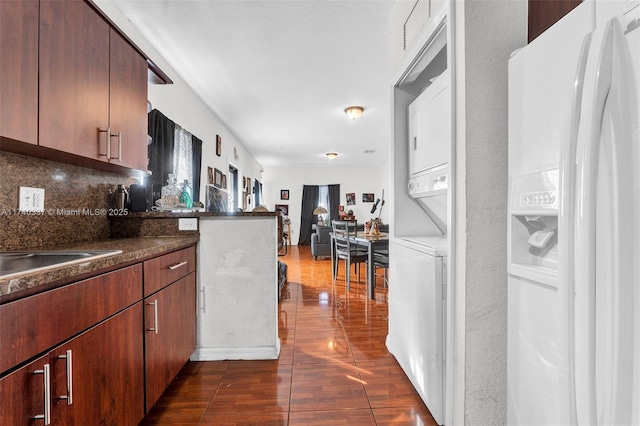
182,156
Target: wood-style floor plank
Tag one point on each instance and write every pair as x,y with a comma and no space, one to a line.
333,369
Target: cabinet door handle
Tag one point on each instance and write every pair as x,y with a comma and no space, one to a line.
46,372
177,265
415,143
69,358
108,140
155,316
119,136
202,299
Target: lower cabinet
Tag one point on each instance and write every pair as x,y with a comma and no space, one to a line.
170,334
98,352
94,378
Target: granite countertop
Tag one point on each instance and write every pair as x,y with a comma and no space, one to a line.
179,214
133,250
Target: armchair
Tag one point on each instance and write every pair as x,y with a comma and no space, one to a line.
321,242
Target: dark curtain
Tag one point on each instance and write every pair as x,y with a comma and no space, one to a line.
257,192
160,151
334,201
197,166
309,200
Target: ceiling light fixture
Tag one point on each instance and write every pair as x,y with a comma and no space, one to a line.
353,112
331,155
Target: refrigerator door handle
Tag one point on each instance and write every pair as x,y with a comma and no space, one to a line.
612,132
566,239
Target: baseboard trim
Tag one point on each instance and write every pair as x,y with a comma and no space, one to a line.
219,354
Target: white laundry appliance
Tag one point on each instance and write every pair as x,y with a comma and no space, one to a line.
574,220
417,289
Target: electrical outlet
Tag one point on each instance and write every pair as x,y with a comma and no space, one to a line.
188,224
31,199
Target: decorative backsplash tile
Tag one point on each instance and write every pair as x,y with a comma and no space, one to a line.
76,202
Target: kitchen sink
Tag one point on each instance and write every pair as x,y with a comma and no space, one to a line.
20,262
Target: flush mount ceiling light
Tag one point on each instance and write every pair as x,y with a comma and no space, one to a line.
331,155
353,112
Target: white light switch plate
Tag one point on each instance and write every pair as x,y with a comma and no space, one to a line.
31,199
188,224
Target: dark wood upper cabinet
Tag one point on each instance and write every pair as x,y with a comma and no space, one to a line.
93,87
19,70
545,13
74,78
128,104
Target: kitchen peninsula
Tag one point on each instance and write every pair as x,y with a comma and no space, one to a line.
237,302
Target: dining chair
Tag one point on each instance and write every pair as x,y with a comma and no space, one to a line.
345,249
381,261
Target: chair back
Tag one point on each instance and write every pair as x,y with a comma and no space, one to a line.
344,227
341,231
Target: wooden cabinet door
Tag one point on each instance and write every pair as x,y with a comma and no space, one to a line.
107,372
23,394
128,104
19,70
74,78
170,336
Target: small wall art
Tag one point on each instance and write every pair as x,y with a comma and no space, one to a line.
351,199
216,199
210,174
218,145
368,197
217,178
224,181
284,194
284,208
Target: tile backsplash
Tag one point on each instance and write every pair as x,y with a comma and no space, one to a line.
76,202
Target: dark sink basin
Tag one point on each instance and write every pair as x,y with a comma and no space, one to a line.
14,263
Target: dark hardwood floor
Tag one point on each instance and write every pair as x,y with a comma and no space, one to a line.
334,368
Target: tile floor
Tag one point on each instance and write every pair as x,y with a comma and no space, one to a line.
334,368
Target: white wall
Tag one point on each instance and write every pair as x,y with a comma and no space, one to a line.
181,104
351,179
486,34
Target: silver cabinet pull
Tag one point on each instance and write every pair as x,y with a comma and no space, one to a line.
202,299
69,358
46,372
415,143
108,135
177,265
119,136
155,316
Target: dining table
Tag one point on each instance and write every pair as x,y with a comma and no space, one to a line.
372,243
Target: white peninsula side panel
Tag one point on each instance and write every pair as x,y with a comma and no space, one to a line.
237,289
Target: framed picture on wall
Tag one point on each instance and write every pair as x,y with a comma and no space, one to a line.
284,208
217,178
284,194
224,181
218,145
368,197
351,199
210,173
216,199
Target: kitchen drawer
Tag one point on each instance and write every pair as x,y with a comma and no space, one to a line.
164,270
35,324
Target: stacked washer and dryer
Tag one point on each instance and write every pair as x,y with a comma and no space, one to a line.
418,258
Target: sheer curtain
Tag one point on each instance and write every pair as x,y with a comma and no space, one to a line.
183,156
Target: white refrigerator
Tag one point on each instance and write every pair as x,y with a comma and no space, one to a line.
574,221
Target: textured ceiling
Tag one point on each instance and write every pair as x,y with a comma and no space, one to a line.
280,73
